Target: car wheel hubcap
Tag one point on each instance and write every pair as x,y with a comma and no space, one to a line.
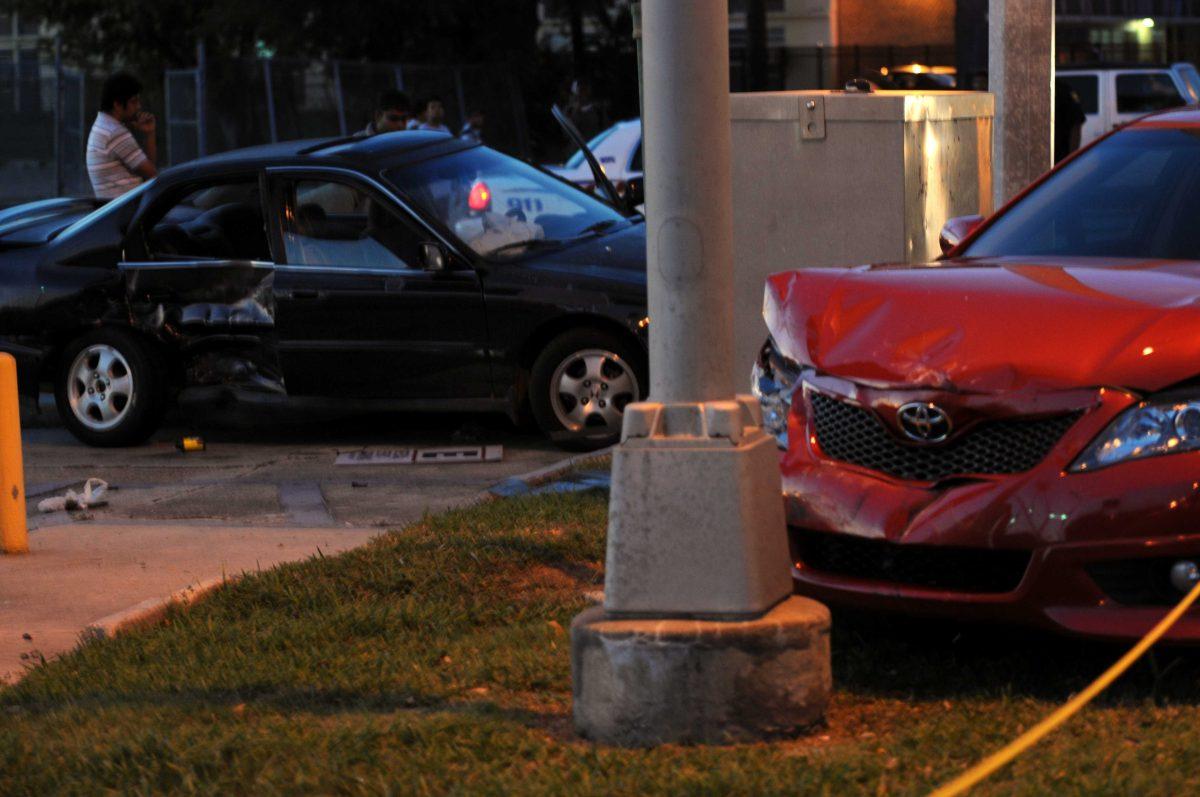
590,390
100,387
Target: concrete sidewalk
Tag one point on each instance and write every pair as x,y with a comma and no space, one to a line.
79,573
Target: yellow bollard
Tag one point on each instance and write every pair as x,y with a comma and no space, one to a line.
13,532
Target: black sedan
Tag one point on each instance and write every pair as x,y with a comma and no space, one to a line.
406,270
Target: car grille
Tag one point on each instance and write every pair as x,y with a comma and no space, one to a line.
852,434
974,570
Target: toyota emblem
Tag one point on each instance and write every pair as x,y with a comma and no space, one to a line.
923,422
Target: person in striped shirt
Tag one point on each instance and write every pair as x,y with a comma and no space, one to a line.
115,162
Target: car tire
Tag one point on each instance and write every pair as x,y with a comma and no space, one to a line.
580,385
109,388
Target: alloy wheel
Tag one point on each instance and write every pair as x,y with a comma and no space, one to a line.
590,389
100,387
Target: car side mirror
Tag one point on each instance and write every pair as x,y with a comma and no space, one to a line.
635,192
957,230
433,257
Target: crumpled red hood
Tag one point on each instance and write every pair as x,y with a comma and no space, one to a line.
994,325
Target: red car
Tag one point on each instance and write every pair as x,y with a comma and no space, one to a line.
1012,432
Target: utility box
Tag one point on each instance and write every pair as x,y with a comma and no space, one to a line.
827,178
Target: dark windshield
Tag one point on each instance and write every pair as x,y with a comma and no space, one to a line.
494,202
1134,195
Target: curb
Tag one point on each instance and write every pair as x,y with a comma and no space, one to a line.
517,485
151,611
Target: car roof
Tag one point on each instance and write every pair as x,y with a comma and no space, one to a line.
363,153
1187,116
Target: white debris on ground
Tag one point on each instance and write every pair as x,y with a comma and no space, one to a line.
93,494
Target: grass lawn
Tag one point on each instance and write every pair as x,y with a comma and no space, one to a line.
436,661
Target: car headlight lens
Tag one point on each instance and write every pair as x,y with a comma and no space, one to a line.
773,381
1149,429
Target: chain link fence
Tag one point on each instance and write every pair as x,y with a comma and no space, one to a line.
47,109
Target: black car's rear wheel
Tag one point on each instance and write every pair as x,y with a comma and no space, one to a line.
580,386
108,389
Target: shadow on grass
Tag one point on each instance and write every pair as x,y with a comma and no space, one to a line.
284,701
907,658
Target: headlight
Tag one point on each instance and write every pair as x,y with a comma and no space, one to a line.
1149,429
773,381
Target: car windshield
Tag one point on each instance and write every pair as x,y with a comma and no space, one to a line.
576,160
107,209
493,202
1134,195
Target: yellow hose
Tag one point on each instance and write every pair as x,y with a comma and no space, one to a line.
1026,740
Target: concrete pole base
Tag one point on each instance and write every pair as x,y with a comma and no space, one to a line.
644,682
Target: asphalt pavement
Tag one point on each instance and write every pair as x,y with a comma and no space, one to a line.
261,492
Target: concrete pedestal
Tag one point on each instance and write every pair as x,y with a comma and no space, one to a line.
700,639
640,683
695,521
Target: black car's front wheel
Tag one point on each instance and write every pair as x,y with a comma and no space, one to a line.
108,389
580,386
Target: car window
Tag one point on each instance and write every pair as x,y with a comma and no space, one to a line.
635,165
215,220
1134,195
336,224
1087,87
492,202
1143,92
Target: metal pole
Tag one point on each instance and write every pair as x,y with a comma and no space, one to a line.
169,119
1021,76
635,10
518,106
694,472
16,62
201,99
266,62
58,117
689,201
338,99
458,89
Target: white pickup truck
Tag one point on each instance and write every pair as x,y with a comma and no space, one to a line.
1113,95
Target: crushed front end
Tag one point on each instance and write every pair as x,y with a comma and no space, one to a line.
1012,497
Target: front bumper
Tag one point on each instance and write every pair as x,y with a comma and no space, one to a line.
1084,553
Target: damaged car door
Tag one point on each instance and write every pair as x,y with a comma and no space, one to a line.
370,303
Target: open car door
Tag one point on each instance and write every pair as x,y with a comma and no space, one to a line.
597,171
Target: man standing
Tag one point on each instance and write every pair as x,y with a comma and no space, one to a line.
392,113
115,162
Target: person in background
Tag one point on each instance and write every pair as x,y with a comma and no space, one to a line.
473,129
115,162
393,112
432,116
584,112
1069,117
